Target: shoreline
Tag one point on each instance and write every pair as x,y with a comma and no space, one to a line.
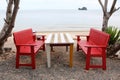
58,28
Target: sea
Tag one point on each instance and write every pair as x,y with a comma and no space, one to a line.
60,20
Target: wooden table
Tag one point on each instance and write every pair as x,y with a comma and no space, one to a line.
59,39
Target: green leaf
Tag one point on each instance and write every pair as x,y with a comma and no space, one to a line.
114,34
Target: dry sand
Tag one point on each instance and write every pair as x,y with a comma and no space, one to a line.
60,69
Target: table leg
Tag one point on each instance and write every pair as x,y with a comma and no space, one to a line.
71,55
48,55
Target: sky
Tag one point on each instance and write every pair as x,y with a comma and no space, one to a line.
56,4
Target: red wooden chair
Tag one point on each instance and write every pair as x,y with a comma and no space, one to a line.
26,44
94,46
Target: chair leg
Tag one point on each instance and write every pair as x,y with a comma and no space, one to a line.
104,62
33,61
52,48
77,47
87,62
66,48
17,60
43,47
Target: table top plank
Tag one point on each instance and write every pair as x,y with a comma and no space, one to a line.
59,38
62,38
69,37
56,38
48,40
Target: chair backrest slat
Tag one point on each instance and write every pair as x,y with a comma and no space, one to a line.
98,37
23,36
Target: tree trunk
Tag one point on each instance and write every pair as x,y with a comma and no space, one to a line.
3,37
1,48
112,49
105,23
107,14
11,13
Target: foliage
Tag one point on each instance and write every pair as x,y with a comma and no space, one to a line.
107,12
114,34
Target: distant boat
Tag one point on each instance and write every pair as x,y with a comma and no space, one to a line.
83,8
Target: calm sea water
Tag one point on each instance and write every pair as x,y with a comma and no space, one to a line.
60,20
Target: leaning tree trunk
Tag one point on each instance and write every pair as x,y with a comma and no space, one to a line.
11,13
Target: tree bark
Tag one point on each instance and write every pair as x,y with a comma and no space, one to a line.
105,21
12,9
112,49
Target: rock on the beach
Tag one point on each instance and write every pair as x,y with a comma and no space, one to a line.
118,54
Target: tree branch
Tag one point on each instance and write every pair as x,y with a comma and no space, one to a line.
9,10
6,21
105,5
8,28
113,6
116,9
15,10
101,5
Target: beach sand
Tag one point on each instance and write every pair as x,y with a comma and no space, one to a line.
60,69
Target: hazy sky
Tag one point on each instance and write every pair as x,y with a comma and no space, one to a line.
56,4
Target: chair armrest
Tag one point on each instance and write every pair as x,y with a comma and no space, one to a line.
32,46
34,36
82,35
95,46
41,37
38,37
89,47
78,37
26,44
